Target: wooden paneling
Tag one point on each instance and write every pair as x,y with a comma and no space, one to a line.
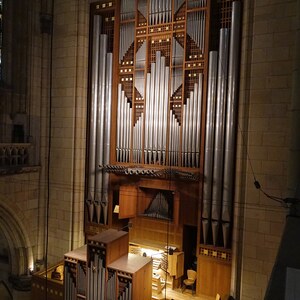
55,287
176,264
156,233
127,201
140,270
213,277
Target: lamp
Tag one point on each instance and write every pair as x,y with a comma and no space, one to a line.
116,209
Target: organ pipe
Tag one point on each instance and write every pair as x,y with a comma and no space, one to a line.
96,278
210,118
160,11
231,113
196,28
220,126
93,117
191,124
100,123
107,126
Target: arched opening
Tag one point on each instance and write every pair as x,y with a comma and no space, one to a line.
5,292
17,250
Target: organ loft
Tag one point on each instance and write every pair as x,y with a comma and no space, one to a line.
167,118
147,149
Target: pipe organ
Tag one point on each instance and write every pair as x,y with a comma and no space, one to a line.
104,270
163,108
75,274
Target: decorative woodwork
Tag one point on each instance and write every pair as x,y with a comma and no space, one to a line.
159,145
75,275
43,286
135,269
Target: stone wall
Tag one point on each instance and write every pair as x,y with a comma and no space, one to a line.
268,58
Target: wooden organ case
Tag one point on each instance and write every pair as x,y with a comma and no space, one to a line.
103,269
161,135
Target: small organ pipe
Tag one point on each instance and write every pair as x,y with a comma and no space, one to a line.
137,139
151,112
191,129
102,269
191,125
194,124
66,282
124,126
186,129
198,123
119,132
95,270
129,131
126,39
122,112
160,111
165,114
146,128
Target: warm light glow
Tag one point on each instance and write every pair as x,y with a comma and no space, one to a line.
151,252
116,209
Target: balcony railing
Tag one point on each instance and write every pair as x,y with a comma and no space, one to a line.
15,158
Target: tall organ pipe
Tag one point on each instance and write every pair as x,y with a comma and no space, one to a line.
100,123
107,126
146,129
156,111
219,133
119,132
165,113
231,113
198,123
191,124
93,116
209,140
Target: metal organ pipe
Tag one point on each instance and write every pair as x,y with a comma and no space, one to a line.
191,124
196,28
93,117
198,121
137,139
127,9
209,142
160,11
146,145
219,133
96,279
231,113
100,124
123,127
126,39
107,127
156,109
69,285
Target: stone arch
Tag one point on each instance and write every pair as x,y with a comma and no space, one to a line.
14,231
5,292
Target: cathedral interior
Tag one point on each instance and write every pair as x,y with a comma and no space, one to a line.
149,149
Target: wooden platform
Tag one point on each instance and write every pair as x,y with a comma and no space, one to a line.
176,294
